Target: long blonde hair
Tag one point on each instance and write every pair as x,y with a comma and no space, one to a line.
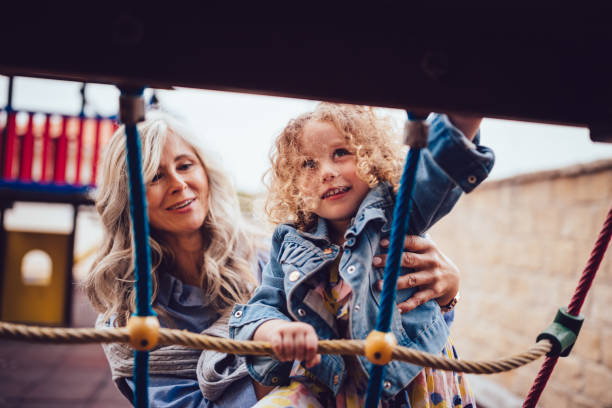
373,137
229,253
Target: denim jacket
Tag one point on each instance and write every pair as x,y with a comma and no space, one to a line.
297,258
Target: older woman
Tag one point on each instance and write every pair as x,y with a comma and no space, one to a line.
205,259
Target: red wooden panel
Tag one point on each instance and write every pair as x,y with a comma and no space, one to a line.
27,152
79,151
9,146
96,154
59,172
45,148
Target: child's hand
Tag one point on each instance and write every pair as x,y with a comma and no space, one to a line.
467,124
290,340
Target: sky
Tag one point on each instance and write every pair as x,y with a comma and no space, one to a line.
240,128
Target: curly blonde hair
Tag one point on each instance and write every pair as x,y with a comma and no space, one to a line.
229,254
372,136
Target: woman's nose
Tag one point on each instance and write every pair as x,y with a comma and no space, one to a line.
178,183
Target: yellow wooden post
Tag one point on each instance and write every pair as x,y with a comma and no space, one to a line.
34,279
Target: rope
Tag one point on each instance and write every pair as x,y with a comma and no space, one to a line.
130,102
204,342
140,222
586,280
588,275
399,226
401,220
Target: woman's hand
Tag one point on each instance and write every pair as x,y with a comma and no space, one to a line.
290,340
435,274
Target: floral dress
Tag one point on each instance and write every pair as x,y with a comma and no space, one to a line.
431,388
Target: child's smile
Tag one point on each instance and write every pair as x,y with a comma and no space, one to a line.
331,174
335,193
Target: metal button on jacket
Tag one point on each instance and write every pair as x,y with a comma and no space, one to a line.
301,312
238,313
293,276
351,269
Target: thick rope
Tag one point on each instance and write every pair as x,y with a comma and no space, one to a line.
140,222
129,103
586,280
200,341
399,226
588,275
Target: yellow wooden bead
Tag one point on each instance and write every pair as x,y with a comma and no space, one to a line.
379,347
144,332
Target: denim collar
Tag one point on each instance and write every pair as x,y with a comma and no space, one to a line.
380,196
318,232
375,205
172,290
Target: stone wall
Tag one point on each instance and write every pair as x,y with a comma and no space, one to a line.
521,244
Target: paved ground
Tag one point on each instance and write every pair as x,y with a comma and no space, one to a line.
39,375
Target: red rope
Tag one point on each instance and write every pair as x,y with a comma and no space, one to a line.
586,280
591,269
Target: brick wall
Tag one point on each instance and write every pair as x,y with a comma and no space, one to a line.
521,244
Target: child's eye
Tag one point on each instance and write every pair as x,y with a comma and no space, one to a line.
309,164
341,152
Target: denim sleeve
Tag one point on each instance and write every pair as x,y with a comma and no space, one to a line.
268,302
170,392
449,166
466,163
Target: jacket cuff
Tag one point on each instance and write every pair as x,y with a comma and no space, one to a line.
466,163
268,371
245,319
243,323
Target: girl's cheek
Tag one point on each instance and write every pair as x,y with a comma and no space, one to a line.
309,187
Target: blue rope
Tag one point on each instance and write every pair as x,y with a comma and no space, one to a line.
142,254
377,375
141,379
399,227
140,223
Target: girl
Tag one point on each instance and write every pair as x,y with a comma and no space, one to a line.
333,178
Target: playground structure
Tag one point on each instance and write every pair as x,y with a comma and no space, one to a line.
49,158
549,100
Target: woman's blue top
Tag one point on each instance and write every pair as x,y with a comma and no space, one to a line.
186,308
